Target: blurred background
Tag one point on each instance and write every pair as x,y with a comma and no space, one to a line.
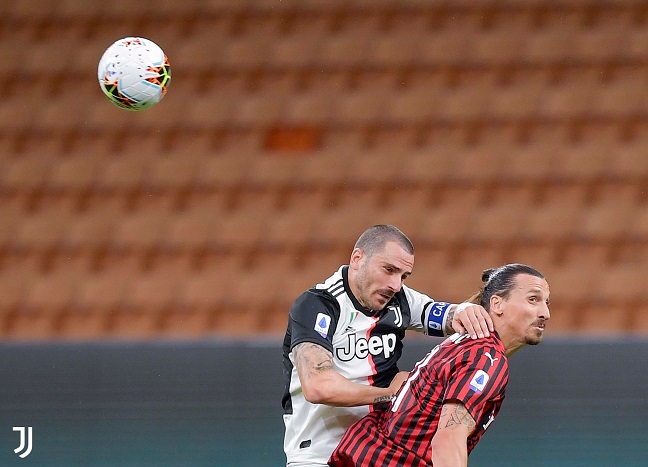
148,260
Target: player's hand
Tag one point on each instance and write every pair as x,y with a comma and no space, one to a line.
472,319
398,381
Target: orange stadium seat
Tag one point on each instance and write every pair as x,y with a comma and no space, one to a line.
585,160
502,220
347,46
604,319
638,318
46,298
555,218
124,172
45,229
520,96
574,96
225,170
294,227
605,38
27,172
331,168
93,229
146,300
11,215
638,228
629,159
298,47
624,283
74,173
98,296
624,92
193,228
611,216
141,229
545,43
13,287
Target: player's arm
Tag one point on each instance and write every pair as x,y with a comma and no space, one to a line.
443,319
322,384
468,318
449,443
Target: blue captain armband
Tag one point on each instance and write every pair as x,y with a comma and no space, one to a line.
435,319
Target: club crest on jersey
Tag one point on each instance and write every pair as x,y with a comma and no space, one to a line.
478,382
398,319
322,324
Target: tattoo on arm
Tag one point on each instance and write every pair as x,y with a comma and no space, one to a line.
458,415
449,330
312,359
380,399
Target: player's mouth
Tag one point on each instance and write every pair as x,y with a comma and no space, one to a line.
385,296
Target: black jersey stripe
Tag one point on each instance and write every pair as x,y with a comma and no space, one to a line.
336,289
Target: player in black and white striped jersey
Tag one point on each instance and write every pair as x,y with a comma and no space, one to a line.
345,337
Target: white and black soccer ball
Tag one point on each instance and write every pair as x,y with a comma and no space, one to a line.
134,73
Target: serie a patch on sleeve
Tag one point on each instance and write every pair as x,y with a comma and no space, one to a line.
478,382
322,324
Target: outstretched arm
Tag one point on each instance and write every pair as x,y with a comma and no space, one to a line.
449,444
322,384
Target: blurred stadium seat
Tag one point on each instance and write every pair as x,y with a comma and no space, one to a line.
488,132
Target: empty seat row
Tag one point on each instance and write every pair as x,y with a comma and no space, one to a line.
199,169
258,223
221,300
344,37
582,95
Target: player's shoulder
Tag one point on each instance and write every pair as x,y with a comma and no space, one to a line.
321,295
464,343
315,297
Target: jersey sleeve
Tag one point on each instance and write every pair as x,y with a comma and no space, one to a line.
313,318
479,375
427,315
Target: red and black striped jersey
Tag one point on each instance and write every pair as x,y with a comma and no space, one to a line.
473,372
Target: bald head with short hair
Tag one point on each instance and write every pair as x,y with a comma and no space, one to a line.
375,238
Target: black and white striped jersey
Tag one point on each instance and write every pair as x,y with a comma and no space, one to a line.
366,346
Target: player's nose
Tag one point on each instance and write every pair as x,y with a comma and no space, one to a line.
395,283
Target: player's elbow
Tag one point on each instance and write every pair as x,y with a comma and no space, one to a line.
314,396
449,449
319,391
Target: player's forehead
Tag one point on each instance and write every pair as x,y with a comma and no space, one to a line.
527,283
392,253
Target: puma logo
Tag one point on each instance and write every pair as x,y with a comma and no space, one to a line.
491,358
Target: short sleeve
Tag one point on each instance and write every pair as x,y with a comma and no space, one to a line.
313,318
479,374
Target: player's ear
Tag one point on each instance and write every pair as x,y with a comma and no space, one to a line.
496,305
356,256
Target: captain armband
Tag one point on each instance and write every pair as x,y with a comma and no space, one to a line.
436,318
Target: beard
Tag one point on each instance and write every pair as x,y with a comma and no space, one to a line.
533,339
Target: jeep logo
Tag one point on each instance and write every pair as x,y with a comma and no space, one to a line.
361,348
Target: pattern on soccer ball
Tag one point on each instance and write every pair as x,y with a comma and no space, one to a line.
134,73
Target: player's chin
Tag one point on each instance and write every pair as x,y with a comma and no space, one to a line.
534,338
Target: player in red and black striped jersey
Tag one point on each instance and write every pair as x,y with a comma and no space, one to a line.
453,394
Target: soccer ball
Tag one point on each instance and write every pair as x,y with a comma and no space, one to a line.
134,73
